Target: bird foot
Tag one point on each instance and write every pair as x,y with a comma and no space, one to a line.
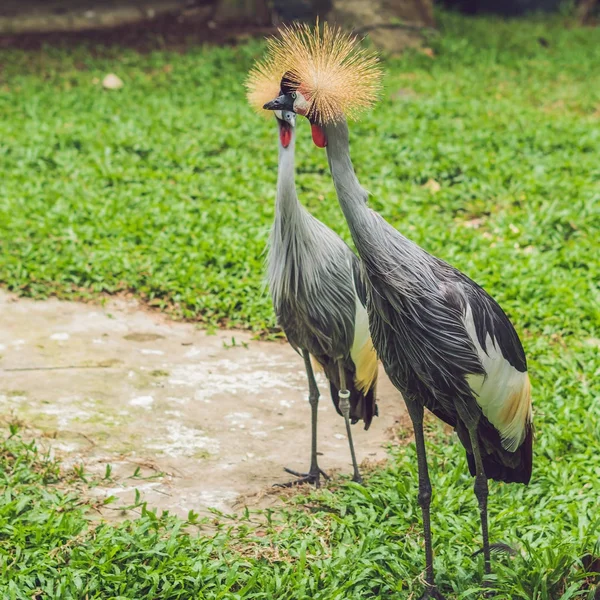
488,590
433,593
313,476
357,478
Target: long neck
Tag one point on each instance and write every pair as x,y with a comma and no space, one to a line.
368,229
287,208
291,236
351,195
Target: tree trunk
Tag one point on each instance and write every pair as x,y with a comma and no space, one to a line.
585,8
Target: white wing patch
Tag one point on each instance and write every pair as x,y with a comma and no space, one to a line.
362,352
504,393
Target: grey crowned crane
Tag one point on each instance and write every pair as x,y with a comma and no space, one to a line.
443,341
317,291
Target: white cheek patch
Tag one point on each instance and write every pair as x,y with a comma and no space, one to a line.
301,104
278,114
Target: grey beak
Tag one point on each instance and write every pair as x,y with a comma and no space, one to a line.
283,102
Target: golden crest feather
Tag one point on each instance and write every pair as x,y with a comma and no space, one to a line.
332,71
262,84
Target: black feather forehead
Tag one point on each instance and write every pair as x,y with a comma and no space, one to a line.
288,85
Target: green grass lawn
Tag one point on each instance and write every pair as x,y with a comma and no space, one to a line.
165,188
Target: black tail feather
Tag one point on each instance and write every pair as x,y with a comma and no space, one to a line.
502,465
363,405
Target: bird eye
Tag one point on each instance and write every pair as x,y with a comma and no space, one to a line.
293,95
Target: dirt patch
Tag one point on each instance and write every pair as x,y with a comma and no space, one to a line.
143,337
165,32
192,420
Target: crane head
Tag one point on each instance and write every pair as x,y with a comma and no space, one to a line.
328,75
296,103
292,99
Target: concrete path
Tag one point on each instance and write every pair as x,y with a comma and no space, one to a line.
214,416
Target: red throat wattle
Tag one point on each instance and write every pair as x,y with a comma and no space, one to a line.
285,134
318,135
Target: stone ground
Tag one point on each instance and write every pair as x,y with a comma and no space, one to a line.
143,25
35,16
207,418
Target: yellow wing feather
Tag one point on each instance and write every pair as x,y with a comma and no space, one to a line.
503,393
363,352
516,412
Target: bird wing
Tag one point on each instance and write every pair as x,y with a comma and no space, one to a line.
442,338
358,357
358,274
425,332
439,325
503,392
362,351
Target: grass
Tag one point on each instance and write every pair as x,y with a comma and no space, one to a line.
165,188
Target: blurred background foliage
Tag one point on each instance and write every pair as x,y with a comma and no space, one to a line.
391,24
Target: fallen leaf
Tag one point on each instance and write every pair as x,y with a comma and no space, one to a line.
473,223
433,186
112,82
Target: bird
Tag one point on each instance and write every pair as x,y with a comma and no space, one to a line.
444,342
317,292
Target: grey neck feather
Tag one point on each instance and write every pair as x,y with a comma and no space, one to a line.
351,195
304,255
288,209
290,232
381,247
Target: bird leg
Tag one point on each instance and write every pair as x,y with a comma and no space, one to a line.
415,411
481,493
315,472
344,396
